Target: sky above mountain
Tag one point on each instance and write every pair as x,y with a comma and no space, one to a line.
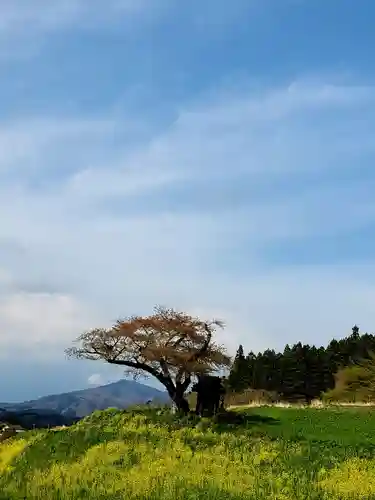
213,156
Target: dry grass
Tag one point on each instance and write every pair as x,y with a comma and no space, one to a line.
315,404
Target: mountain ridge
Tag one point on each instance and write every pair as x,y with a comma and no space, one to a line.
68,407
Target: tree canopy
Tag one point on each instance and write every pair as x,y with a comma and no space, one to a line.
169,345
305,371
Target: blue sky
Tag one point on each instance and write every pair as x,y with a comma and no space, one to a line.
213,156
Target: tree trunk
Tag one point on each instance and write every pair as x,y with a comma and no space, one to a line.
182,405
180,402
308,400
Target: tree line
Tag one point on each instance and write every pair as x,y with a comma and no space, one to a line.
305,371
180,350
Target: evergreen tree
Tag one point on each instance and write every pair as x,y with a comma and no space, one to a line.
355,332
301,371
239,375
251,369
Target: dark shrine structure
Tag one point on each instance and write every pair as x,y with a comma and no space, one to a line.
210,395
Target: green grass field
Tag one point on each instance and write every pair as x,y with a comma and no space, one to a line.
275,453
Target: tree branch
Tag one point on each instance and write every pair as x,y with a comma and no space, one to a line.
166,381
164,368
195,356
186,383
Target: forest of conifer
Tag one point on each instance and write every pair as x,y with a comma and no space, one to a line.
305,372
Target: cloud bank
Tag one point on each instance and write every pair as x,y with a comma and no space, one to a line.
191,218
155,153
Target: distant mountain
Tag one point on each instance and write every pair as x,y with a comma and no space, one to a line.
64,409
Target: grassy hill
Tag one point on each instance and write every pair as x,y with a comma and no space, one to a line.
274,453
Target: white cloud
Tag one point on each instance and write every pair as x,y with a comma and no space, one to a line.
115,230
41,322
26,25
98,379
43,15
21,142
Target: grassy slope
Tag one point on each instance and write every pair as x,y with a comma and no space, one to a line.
276,453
